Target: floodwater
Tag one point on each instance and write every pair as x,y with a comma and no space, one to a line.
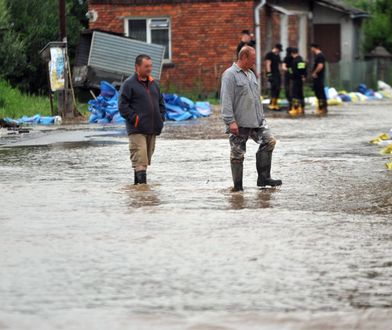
82,248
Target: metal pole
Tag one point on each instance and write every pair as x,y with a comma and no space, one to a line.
63,23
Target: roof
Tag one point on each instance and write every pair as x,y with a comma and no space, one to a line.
339,5
342,6
117,54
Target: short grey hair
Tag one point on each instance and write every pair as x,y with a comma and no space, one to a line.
245,52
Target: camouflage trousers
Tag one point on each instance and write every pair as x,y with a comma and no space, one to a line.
261,135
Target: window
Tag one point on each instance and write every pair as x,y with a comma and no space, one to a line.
151,30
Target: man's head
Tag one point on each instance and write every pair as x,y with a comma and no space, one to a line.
143,66
246,58
277,49
315,48
294,52
245,36
289,51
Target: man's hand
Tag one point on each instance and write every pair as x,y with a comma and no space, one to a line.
234,128
314,75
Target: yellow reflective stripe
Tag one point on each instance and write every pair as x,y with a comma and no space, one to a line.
301,65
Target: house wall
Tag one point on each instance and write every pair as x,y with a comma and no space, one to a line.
204,37
324,15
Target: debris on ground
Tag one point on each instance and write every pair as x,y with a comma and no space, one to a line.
385,141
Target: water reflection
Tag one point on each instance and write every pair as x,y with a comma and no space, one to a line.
141,196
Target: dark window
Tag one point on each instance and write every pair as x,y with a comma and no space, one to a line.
152,30
138,29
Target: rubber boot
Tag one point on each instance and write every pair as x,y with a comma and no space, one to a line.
141,177
294,110
272,104
301,110
276,105
237,170
323,107
135,178
263,165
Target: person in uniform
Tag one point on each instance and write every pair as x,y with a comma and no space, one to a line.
318,75
297,79
273,64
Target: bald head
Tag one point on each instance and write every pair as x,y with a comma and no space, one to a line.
246,52
246,58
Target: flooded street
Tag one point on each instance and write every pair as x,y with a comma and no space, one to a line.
82,248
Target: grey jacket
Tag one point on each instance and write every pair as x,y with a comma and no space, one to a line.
240,98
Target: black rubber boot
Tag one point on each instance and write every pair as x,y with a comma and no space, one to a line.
141,177
135,178
237,170
263,165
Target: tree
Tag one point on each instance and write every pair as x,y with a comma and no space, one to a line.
37,22
378,28
12,50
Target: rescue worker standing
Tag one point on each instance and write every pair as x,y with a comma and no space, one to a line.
143,107
318,75
273,64
297,78
243,115
247,39
288,71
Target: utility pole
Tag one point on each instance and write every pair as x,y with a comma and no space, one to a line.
65,103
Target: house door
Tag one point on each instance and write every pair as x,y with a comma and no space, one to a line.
328,36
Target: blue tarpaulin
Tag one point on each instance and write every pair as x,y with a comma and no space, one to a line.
37,119
180,108
104,109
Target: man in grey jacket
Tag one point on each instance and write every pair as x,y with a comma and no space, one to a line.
243,115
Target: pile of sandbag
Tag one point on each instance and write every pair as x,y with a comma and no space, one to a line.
385,142
179,108
104,108
334,97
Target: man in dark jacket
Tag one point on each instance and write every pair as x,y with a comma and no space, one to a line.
141,104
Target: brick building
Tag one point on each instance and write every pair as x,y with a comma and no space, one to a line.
201,35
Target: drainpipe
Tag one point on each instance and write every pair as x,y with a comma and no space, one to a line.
258,39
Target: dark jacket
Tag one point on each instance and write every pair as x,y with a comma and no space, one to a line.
142,106
299,68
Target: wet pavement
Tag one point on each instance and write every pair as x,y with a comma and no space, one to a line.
82,248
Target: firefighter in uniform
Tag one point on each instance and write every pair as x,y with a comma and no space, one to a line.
318,75
272,67
298,78
287,69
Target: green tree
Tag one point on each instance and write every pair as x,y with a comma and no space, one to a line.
12,50
37,22
378,28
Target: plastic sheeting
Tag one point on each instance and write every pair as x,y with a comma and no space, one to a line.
179,108
37,120
104,109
